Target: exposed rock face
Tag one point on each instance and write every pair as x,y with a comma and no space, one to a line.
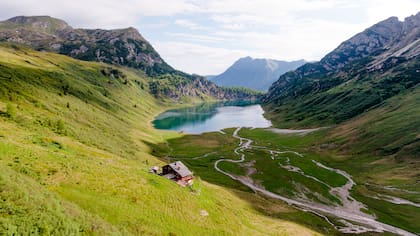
44,24
256,74
360,73
197,87
222,93
381,40
122,46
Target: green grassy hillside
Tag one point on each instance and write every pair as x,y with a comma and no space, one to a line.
381,149
74,159
361,74
326,99
366,92
391,129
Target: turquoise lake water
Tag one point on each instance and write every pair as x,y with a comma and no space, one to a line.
210,117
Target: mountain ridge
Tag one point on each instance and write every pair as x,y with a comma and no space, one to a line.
359,77
125,46
254,73
379,47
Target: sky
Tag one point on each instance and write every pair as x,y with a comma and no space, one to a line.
206,36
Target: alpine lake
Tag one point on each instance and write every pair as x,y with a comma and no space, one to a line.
211,117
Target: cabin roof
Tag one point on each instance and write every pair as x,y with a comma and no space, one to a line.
180,168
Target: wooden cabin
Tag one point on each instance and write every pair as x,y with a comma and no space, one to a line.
178,172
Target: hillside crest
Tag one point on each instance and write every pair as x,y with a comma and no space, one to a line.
125,47
255,73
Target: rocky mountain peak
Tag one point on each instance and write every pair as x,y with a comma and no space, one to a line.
254,73
413,19
388,49
119,46
372,41
410,23
131,33
244,59
389,28
42,23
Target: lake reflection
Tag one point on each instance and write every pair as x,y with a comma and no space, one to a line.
209,117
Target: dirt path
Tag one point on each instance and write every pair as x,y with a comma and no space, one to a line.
354,220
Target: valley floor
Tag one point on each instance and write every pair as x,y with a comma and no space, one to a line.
349,210
279,166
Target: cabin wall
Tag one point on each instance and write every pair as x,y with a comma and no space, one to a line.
167,170
186,178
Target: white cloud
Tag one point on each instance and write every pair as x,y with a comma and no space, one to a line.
186,55
199,38
96,13
285,30
188,24
310,40
265,7
378,9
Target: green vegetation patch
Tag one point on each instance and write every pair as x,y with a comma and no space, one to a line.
75,155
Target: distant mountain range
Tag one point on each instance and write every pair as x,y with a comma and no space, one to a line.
256,74
125,47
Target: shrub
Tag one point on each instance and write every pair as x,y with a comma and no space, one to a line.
10,111
61,127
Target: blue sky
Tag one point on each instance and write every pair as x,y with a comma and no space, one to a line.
207,36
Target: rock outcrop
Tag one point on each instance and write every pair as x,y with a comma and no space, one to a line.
121,46
125,47
374,65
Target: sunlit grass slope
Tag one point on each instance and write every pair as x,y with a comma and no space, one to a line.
74,159
392,129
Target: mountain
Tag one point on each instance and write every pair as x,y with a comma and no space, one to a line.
125,47
366,95
121,46
256,74
180,88
77,145
361,73
368,85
